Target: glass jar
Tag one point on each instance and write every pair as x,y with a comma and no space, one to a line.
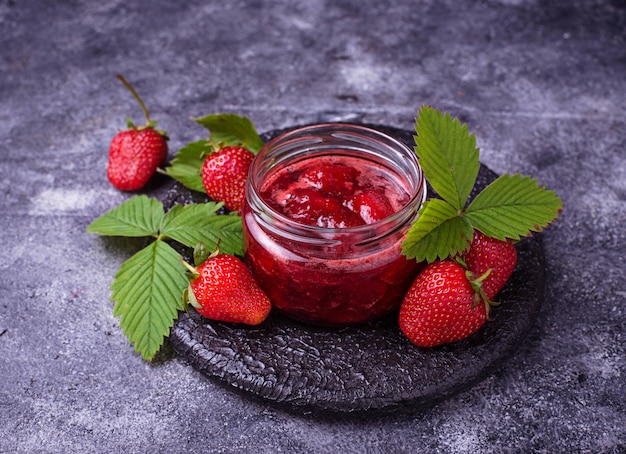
332,276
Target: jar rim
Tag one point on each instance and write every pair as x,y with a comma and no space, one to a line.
309,135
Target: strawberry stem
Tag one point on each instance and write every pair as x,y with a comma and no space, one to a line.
134,93
189,267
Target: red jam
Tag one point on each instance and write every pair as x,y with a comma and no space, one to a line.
326,212
334,192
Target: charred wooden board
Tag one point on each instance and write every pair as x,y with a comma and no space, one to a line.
371,368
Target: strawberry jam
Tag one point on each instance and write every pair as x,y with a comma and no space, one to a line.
327,207
334,192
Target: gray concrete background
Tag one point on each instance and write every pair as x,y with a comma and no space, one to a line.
542,84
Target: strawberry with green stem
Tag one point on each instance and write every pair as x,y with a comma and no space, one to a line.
495,257
218,165
222,288
137,152
441,306
224,174
511,207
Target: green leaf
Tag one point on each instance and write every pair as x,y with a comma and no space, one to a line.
195,223
231,129
147,292
438,233
138,216
186,165
513,206
447,154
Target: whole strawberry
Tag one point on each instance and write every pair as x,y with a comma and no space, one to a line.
441,306
486,253
136,153
225,290
224,174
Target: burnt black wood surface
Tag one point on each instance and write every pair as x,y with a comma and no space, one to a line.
371,368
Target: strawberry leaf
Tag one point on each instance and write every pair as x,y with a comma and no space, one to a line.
138,216
186,165
512,206
200,223
148,288
437,233
147,292
231,129
448,155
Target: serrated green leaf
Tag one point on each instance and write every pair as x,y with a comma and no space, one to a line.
231,129
195,223
147,293
448,155
138,216
438,232
513,206
186,165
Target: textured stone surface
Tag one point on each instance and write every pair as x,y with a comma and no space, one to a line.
542,85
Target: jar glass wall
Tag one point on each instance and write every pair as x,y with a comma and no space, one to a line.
332,276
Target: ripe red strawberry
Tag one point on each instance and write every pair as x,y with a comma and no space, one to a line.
225,290
441,306
489,253
136,153
134,156
224,175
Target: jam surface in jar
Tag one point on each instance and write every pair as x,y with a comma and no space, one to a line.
334,192
324,218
